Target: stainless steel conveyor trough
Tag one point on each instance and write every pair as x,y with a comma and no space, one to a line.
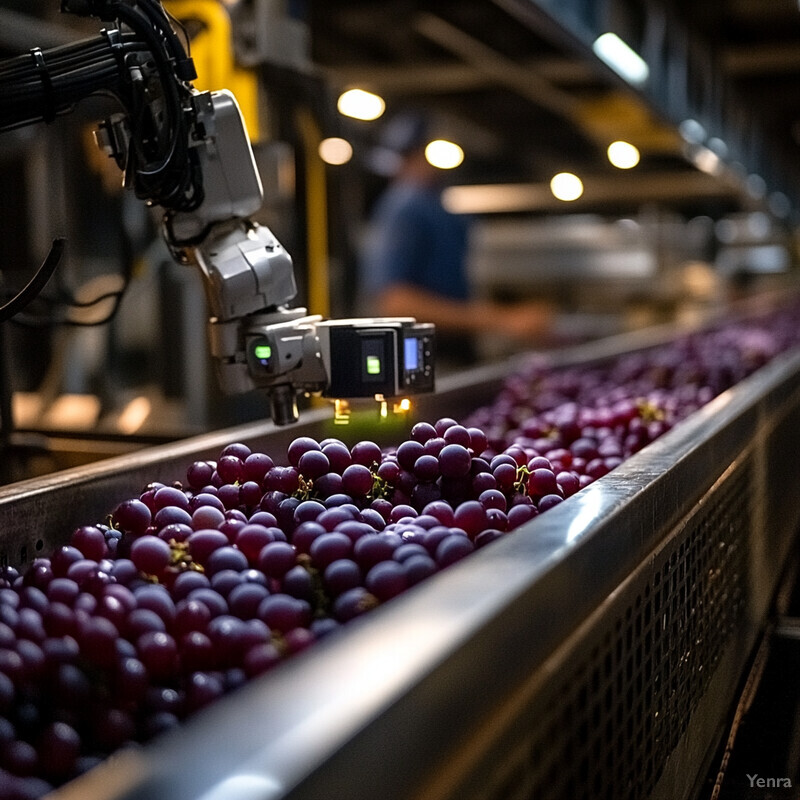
594,653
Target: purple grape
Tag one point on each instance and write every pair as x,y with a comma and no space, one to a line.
90,541
186,581
402,510
193,614
238,449
365,453
408,452
342,575
261,658
130,680
214,602
206,516
199,473
441,425
97,639
298,583
338,456
197,651
352,603
230,494
548,501
313,464
419,567
142,620
434,446
156,598
457,434
230,469
226,558
202,690
371,549
426,467
328,548
304,535
204,542
59,747
422,431
170,515
132,516
256,466
150,554
158,651
388,471
205,499
20,758
276,558
224,581
170,496
453,548
252,538
328,485
471,518
357,480
300,446
282,612
454,461
245,599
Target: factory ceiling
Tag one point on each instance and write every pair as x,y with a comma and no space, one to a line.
518,85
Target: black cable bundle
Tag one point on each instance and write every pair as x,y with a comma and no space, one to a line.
39,85
144,65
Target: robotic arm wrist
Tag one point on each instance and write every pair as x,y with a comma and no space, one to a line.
189,152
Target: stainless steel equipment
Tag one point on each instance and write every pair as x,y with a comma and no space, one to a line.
594,653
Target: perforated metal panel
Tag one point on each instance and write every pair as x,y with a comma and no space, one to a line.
623,693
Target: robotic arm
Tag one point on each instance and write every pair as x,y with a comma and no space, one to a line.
189,152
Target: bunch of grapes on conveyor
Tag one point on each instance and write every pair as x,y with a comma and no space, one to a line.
189,590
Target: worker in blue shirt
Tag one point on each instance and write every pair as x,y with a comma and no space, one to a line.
414,258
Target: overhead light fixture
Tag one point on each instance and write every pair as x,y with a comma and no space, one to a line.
692,131
706,160
566,186
623,155
756,186
335,151
360,104
443,154
622,58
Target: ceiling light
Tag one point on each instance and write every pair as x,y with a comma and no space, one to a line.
625,61
360,104
692,131
706,160
335,151
623,155
756,186
566,186
443,154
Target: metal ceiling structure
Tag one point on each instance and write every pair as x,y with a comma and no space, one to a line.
517,81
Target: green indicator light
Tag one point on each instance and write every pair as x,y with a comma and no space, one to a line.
373,365
263,351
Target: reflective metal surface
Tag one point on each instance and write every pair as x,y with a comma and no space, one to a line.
417,699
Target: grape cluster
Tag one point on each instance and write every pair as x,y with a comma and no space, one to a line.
189,590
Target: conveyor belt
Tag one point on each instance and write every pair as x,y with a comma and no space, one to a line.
594,653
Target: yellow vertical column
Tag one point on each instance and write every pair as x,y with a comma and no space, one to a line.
213,53
316,216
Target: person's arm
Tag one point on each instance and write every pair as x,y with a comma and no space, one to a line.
524,322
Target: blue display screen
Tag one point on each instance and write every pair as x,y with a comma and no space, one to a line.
411,354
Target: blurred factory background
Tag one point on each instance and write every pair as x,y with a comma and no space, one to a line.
695,205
